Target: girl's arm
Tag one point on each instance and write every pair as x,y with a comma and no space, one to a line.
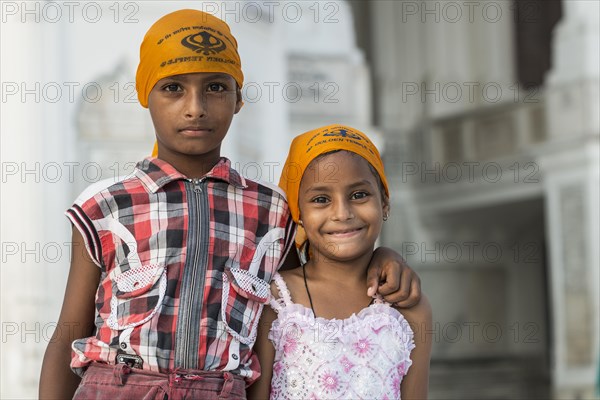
76,320
391,277
416,383
261,389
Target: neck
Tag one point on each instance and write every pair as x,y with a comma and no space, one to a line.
192,166
348,271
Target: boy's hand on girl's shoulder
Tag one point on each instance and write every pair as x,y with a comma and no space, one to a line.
391,277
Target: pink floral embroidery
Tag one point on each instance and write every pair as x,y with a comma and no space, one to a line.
277,368
330,381
377,330
401,370
290,345
396,385
346,364
362,347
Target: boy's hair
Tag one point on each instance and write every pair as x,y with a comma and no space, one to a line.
183,42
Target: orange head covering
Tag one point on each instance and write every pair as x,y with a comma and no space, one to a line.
182,42
312,144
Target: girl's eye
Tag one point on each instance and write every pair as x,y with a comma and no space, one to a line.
216,87
359,195
172,87
319,199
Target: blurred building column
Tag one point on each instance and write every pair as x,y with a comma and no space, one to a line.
570,164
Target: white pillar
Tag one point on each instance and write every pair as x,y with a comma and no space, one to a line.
570,166
27,147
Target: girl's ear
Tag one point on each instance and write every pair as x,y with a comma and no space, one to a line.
386,206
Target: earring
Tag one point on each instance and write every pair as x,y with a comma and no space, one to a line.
385,216
300,223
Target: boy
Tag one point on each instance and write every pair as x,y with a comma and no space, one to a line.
186,247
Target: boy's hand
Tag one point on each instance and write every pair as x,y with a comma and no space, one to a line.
391,277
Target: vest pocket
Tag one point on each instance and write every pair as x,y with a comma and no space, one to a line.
137,296
243,297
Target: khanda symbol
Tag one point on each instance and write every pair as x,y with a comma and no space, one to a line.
203,42
344,133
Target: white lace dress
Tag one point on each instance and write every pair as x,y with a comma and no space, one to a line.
364,356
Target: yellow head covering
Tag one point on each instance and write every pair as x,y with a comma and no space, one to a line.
310,145
182,42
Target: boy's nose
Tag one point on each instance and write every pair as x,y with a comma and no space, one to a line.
195,106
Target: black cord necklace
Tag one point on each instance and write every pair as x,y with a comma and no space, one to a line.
307,291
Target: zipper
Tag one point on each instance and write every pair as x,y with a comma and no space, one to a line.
191,293
197,182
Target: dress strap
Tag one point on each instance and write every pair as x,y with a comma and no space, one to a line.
378,299
284,298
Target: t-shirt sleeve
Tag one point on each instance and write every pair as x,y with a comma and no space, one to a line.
84,225
81,214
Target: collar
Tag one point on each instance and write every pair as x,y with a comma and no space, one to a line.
155,173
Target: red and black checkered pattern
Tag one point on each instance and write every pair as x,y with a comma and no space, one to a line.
185,265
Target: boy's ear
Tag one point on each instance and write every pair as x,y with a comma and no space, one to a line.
238,101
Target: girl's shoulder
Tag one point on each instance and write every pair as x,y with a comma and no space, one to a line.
293,278
285,287
284,281
290,276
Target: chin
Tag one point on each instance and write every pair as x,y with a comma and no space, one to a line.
346,255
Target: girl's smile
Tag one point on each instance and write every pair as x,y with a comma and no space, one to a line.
345,233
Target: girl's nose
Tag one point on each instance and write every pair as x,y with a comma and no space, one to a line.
342,211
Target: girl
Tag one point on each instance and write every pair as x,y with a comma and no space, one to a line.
324,337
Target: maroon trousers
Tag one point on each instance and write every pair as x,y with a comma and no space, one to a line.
113,382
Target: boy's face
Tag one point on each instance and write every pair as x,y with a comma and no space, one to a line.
341,206
192,113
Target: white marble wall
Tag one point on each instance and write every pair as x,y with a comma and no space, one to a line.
556,135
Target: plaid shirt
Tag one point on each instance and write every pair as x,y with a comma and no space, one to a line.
185,267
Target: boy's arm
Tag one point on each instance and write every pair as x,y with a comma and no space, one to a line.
392,278
76,320
261,389
415,384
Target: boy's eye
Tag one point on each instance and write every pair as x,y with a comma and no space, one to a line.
359,195
172,87
216,87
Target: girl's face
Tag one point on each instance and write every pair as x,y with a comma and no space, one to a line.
341,206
